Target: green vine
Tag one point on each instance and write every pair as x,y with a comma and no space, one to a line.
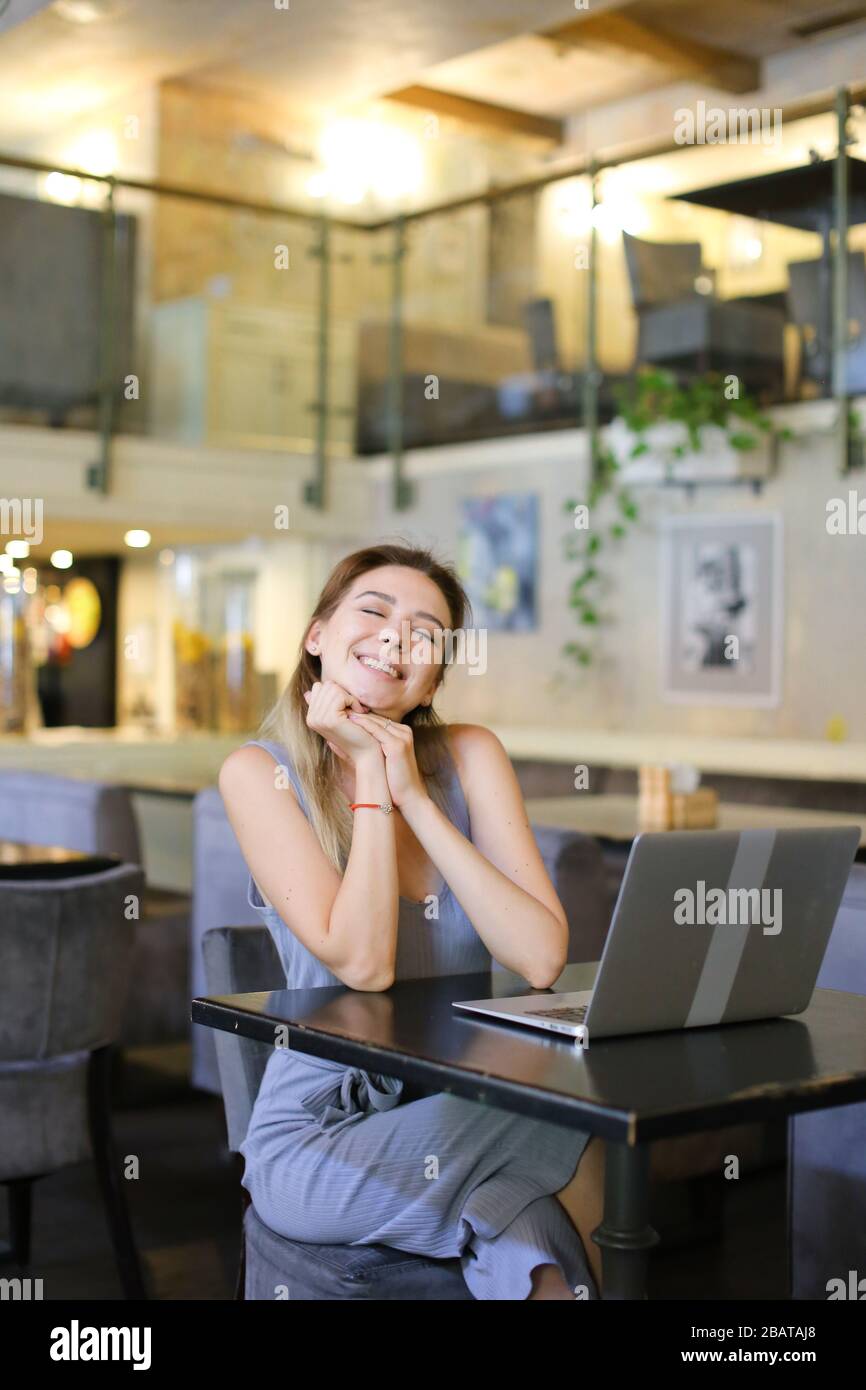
653,396
582,590
656,395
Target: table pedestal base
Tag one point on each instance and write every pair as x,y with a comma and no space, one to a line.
625,1235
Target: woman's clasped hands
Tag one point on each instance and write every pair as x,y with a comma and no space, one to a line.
354,732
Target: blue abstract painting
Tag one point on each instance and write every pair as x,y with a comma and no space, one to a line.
498,560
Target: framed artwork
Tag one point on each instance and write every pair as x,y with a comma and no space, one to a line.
497,560
721,609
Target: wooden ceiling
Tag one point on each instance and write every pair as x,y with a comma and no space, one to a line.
519,67
605,53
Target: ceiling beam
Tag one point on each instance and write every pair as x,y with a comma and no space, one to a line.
481,113
616,31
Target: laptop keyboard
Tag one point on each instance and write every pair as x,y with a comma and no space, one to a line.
564,1012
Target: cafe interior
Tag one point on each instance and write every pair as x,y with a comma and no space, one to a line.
575,296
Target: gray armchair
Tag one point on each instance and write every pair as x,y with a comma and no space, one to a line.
66,949
808,300
99,818
682,325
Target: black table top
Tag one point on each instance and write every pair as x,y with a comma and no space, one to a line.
628,1089
801,197
21,860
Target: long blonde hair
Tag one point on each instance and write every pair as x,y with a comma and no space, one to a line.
316,766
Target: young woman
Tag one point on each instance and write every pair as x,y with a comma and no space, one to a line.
355,893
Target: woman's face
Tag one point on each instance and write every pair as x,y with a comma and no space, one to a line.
381,642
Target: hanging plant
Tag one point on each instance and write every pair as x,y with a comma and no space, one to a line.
656,396
652,398
582,592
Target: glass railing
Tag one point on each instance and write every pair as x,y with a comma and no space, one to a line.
199,321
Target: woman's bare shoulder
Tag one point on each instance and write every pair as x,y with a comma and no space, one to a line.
471,743
468,736
246,768
242,764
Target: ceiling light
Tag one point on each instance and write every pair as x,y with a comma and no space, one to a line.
359,157
61,559
61,188
19,550
573,206
319,185
618,214
95,153
137,539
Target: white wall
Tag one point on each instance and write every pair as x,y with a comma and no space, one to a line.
528,682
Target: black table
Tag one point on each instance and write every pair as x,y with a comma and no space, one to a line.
21,860
804,198
631,1091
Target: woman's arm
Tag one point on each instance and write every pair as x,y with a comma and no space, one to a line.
348,923
498,877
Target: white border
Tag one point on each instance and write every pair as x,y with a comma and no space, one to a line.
666,527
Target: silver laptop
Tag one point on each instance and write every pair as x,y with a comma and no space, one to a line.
710,927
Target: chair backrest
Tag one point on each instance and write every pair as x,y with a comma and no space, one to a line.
240,960
219,896
540,318
661,272
95,817
65,954
577,870
844,964
804,292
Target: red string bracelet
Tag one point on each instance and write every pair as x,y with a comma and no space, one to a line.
370,806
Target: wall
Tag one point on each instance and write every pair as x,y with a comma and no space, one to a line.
527,680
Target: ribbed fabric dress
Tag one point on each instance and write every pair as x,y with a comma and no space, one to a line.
336,1155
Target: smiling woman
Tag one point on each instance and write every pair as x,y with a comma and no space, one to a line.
353,641
344,1157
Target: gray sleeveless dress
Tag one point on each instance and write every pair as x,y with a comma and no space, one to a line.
338,1155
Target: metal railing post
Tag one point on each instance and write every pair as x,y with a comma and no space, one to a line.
591,373
402,490
840,277
99,473
315,491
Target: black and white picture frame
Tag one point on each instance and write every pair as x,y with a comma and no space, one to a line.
722,609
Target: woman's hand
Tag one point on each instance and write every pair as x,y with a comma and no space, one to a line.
328,707
405,782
